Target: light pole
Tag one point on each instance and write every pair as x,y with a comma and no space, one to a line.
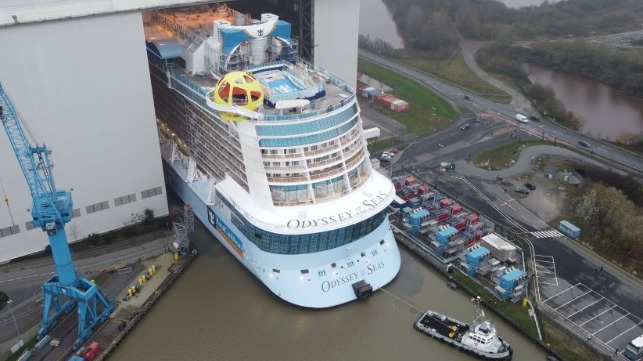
13,317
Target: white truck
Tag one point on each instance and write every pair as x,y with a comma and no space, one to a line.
521,118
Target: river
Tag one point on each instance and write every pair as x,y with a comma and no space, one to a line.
218,311
604,112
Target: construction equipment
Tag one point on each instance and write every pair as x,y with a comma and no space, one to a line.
51,210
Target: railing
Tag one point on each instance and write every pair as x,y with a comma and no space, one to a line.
355,160
289,179
326,174
311,153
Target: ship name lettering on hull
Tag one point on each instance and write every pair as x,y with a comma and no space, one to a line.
367,205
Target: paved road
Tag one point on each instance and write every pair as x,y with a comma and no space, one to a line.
601,151
22,281
604,305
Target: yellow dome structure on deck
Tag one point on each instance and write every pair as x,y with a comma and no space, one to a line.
238,89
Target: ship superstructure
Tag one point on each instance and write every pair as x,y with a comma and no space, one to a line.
268,149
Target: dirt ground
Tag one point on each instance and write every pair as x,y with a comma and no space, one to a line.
550,194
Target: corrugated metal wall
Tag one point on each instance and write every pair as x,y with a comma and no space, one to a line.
84,87
336,30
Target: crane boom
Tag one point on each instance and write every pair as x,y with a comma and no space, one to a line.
51,210
49,204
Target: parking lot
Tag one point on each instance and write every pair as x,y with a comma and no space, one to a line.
601,321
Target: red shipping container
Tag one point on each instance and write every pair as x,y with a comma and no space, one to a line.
456,209
445,202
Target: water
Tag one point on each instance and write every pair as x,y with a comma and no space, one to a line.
376,22
218,311
604,111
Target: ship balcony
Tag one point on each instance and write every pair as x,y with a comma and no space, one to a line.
329,149
282,156
285,169
329,196
327,173
278,178
331,161
352,150
353,161
350,137
356,181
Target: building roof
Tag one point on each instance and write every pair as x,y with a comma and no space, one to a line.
478,252
14,12
513,275
419,214
498,242
447,231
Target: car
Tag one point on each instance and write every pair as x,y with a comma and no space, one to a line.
521,190
534,118
466,97
385,159
530,186
583,143
387,154
465,126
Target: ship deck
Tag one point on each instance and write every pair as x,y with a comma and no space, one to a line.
447,327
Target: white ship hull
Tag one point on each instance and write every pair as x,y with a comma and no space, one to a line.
374,258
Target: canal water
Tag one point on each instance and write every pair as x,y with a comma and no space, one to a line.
218,311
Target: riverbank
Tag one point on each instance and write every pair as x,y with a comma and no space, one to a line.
557,342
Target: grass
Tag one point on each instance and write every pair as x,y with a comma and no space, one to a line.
383,144
427,111
458,72
503,156
566,345
513,311
3,299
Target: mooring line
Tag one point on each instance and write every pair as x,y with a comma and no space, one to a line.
399,299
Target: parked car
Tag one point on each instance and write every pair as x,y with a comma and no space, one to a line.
530,186
534,118
583,143
466,97
465,126
521,190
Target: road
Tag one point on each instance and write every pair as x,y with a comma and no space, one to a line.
585,293
602,151
22,281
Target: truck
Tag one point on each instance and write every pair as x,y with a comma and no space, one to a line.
371,133
91,351
521,118
634,350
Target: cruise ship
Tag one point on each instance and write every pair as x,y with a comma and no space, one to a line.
269,151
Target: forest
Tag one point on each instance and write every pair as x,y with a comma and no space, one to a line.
437,24
610,222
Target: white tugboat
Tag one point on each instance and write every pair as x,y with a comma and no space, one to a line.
479,339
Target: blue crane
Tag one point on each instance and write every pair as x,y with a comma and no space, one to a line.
51,210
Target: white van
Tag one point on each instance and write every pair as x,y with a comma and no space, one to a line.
521,118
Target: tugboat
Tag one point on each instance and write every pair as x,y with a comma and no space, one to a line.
479,339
